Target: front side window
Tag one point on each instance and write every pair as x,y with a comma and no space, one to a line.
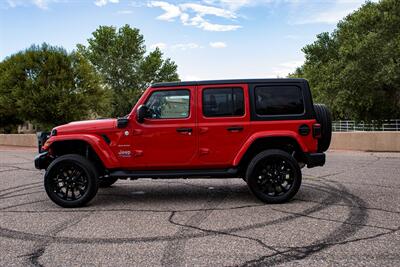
169,104
223,102
278,100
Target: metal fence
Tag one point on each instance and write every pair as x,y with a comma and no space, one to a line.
353,126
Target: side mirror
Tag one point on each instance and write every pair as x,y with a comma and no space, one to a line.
142,113
122,122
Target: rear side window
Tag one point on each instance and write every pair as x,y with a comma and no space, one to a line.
223,102
278,100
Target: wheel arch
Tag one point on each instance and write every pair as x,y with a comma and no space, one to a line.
288,142
85,145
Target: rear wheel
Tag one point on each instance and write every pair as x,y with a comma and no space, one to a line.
71,181
323,117
274,176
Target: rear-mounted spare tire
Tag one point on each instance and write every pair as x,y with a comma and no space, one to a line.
323,117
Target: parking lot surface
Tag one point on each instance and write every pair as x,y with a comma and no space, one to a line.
346,213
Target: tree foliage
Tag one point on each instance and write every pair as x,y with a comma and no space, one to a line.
119,56
48,86
356,69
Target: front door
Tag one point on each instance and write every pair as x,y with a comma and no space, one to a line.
167,139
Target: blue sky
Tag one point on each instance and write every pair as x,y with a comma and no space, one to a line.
208,39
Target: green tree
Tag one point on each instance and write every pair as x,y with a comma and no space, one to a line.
356,69
9,118
119,56
47,86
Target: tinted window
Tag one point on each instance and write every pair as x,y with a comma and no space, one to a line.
278,100
223,102
171,104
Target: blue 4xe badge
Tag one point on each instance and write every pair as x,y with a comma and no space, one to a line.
124,153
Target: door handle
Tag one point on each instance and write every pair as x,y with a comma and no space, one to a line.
184,130
235,128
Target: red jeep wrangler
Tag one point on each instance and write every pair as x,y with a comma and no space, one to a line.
261,130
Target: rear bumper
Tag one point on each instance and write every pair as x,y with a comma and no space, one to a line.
42,161
315,159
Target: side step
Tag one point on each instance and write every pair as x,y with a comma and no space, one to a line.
217,173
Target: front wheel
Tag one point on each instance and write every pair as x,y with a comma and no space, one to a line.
274,176
71,181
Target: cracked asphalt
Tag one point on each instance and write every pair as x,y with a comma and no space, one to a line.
346,213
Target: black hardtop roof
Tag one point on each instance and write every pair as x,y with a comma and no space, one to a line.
233,81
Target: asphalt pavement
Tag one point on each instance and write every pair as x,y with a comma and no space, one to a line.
346,213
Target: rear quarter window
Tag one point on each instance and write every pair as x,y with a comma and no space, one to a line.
278,100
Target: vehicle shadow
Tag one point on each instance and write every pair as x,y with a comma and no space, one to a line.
164,193
170,192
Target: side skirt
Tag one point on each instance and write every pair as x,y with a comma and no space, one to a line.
213,173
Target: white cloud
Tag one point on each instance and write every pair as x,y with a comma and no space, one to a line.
42,4
185,46
207,26
202,10
200,13
101,3
199,22
11,3
193,14
329,12
171,11
124,12
236,4
218,45
302,11
160,45
178,46
138,3
326,17
285,68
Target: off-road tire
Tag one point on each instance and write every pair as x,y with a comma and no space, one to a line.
61,167
323,117
269,158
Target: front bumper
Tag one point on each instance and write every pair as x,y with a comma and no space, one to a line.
42,138
315,159
42,161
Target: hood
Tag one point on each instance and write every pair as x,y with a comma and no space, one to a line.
88,126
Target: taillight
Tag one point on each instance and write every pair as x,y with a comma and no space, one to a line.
317,130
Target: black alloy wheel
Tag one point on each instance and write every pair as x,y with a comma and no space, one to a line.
71,181
274,176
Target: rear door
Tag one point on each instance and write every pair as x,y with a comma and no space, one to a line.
223,123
